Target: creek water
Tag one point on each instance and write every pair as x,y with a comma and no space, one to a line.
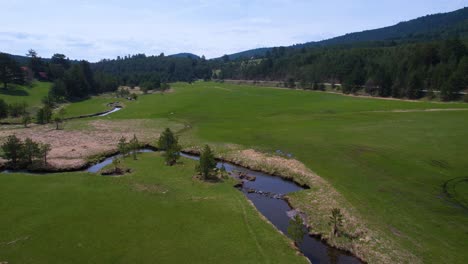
111,111
98,166
266,193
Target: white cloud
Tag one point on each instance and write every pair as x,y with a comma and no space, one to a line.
104,29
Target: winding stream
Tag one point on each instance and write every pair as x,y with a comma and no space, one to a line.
266,192
117,108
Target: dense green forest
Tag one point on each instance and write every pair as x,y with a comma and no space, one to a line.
405,70
137,69
423,29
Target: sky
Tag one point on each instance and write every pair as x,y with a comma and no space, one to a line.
95,30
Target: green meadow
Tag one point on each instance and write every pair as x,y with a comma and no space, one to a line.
158,214
391,165
390,159
31,95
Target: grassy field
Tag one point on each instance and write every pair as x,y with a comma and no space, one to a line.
94,105
390,159
158,214
31,95
391,165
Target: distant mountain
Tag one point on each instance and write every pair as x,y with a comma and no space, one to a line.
430,27
185,55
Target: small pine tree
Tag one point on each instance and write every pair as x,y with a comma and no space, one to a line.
26,119
57,121
296,229
30,150
123,146
336,221
134,145
172,155
207,163
12,149
167,140
44,150
40,116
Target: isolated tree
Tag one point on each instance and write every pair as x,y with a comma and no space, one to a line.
172,154
44,150
169,142
123,146
167,139
12,149
116,163
336,221
58,119
35,62
207,162
26,119
10,72
134,145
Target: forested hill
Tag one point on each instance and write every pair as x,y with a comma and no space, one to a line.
136,69
430,27
427,28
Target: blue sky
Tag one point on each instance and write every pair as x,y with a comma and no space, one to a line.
93,30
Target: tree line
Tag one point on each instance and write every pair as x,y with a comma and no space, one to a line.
154,71
23,154
408,70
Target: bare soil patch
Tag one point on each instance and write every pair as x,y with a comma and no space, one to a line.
71,149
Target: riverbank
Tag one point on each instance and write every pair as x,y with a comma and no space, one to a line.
96,219
316,202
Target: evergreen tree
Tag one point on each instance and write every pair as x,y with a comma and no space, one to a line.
336,221
167,139
207,163
172,154
169,142
44,150
296,229
12,149
30,150
26,119
134,146
123,146
10,72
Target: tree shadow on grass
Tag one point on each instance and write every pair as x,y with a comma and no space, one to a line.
13,92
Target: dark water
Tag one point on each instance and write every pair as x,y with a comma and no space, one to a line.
275,210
